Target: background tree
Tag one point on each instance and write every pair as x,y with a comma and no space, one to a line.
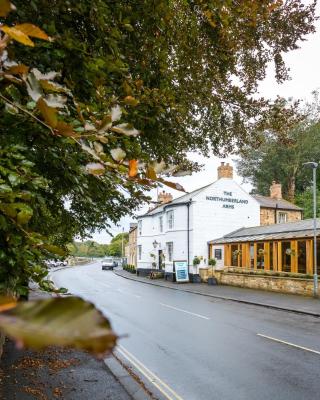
280,154
115,247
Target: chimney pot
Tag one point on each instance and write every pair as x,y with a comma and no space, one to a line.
164,197
225,171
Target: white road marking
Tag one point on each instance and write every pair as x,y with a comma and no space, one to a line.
288,343
184,311
169,393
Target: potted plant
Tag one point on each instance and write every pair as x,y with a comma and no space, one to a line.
195,278
196,261
212,262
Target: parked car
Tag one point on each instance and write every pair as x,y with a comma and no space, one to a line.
108,264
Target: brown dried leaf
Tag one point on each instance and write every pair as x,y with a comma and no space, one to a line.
20,69
49,113
5,7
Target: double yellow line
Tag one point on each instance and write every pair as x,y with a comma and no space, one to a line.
168,393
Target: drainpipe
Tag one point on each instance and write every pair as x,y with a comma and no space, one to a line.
188,233
276,215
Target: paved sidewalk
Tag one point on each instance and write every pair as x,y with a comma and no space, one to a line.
287,302
66,374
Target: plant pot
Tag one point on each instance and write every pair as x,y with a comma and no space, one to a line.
212,281
195,278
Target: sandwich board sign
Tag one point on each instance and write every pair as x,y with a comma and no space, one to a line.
181,270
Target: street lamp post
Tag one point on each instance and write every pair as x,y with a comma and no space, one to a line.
314,167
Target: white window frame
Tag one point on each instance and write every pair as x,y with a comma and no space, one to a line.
169,247
139,252
140,227
170,219
282,217
161,223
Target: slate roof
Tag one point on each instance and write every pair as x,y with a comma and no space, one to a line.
264,201
288,230
269,202
181,199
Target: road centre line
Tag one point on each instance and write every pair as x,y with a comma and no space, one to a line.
169,393
288,343
184,311
129,294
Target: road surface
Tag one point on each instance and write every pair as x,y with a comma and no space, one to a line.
204,348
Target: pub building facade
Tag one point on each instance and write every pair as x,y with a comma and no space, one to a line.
286,247
179,229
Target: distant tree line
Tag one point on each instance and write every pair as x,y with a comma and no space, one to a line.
90,248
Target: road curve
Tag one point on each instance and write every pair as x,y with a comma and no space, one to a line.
203,348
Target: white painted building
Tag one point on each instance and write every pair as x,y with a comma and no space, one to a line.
179,230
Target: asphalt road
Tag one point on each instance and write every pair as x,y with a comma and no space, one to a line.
202,348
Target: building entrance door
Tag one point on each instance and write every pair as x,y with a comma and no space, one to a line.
160,259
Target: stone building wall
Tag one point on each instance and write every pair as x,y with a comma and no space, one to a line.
267,215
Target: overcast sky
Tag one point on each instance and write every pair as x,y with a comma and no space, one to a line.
304,65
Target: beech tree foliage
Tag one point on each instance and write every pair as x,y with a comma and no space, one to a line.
100,100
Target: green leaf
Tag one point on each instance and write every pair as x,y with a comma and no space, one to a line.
25,214
54,249
68,322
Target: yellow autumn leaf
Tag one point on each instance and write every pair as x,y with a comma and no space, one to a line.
32,30
49,113
17,35
150,173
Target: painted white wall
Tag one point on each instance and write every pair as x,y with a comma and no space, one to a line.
213,220
209,219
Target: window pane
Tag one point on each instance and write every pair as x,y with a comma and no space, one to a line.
271,256
252,255
283,217
234,255
286,257
302,257
260,255
161,224
169,246
218,254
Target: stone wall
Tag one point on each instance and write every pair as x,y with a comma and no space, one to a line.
267,215
272,283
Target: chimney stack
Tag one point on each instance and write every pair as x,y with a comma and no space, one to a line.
164,197
276,190
225,171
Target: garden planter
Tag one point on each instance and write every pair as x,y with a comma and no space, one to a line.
212,281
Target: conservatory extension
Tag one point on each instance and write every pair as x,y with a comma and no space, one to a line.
284,247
